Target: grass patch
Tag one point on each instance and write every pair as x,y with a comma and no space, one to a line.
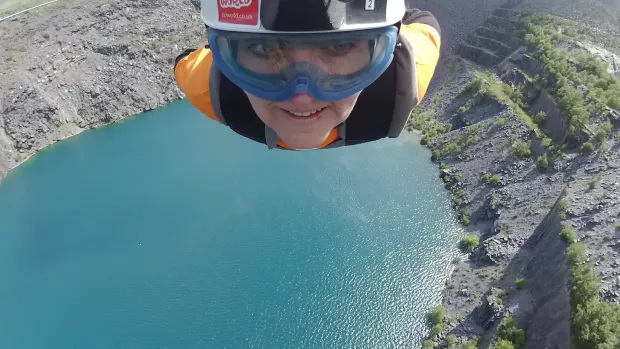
563,206
424,120
16,49
520,283
507,95
595,181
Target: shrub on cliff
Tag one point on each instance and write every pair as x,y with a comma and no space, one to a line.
595,324
587,147
522,149
470,242
463,216
542,162
509,331
437,329
503,344
568,234
471,344
451,340
563,205
429,344
540,117
437,315
436,155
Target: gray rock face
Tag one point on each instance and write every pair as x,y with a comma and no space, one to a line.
556,123
66,69
491,310
481,56
547,274
483,108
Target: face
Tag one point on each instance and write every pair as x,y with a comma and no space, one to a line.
303,122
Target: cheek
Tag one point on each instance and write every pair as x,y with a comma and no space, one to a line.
343,108
263,109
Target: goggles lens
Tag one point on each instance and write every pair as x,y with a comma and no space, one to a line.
328,66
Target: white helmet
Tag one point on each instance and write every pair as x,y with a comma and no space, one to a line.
300,16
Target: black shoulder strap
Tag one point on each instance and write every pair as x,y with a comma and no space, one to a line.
238,112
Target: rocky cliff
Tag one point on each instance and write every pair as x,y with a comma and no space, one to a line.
525,159
75,65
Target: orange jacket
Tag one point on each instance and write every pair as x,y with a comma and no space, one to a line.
192,70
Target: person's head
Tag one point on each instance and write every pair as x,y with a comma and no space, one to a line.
302,63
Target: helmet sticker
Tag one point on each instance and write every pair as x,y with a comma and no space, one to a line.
243,12
370,5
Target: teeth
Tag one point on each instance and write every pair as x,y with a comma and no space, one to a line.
306,113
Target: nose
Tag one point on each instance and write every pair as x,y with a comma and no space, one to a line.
302,99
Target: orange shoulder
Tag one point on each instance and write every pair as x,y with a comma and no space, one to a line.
192,76
426,43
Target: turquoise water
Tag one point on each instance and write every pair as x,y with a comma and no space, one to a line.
170,231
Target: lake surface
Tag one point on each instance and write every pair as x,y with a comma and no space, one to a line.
170,231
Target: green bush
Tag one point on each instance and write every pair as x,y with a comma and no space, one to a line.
471,344
587,147
563,206
475,85
568,234
520,283
470,242
509,331
429,344
436,155
540,117
437,329
463,108
463,216
604,130
451,340
542,162
451,148
503,344
495,179
522,149
437,315
595,324
501,121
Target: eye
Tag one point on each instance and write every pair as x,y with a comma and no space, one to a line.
264,49
341,49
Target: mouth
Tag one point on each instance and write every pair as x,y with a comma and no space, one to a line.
304,114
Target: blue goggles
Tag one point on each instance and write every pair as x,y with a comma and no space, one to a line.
328,66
